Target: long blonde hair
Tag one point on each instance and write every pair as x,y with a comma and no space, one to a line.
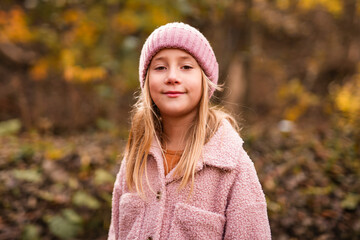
146,125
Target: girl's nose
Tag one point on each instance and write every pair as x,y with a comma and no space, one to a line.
173,76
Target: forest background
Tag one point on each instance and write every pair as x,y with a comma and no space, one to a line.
69,75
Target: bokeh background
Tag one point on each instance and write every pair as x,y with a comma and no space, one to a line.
69,75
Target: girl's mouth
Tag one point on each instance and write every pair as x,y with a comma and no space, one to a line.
173,94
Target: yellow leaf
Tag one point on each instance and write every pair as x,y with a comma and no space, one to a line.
54,154
69,73
86,33
67,57
302,99
347,99
307,4
13,26
159,17
333,6
127,22
294,112
72,16
3,18
40,70
76,73
283,4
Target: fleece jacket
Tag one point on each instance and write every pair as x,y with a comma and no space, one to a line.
227,201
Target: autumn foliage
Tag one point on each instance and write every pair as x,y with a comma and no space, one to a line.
69,70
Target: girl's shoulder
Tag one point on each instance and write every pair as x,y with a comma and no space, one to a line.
225,148
227,137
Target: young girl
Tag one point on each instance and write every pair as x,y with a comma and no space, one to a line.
185,174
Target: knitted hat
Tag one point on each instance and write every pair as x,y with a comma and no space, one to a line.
181,36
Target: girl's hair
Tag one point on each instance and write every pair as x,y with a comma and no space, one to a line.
146,125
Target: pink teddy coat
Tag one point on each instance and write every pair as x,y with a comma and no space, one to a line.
227,201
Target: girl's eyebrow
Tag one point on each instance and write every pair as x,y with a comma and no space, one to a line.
185,58
158,58
164,58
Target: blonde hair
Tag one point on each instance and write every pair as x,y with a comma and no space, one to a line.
146,124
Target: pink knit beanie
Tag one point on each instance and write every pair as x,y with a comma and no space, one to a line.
182,36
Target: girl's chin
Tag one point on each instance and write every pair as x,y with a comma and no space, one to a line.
175,113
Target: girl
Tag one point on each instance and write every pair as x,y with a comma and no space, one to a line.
185,174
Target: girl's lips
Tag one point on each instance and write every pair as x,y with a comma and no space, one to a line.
173,94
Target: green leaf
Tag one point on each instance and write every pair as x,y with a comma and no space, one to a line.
318,191
83,199
25,152
102,176
104,91
72,216
107,197
30,175
62,227
104,124
351,201
31,232
10,127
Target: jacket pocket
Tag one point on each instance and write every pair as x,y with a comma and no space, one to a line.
131,214
194,223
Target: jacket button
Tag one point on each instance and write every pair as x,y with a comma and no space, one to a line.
158,195
149,238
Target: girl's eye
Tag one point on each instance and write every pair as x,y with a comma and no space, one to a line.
160,68
187,67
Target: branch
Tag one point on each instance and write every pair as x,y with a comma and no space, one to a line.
15,54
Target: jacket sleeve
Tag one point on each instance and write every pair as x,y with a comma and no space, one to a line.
117,192
246,213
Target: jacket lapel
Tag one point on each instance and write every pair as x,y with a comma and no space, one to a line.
222,151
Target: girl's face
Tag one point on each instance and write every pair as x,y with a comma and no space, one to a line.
175,83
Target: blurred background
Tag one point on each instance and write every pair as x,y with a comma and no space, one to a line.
69,75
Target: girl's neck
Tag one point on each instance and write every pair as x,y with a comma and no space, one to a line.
175,130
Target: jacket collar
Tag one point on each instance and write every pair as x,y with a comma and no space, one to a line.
221,151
